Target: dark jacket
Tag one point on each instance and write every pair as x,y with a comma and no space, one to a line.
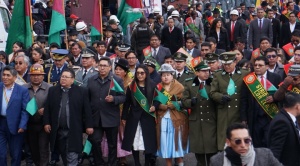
155,77
283,139
173,40
238,30
79,119
38,28
133,113
276,32
105,114
140,38
223,40
286,34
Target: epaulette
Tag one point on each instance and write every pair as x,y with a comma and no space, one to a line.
188,79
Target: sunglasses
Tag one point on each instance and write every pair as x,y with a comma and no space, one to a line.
18,63
271,56
245,140
140,73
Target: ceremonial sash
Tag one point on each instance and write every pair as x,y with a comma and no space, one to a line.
286,68
256,53
131,75
190,23
295,90
147,53
285,13
20,80
289,49
260,94
141,99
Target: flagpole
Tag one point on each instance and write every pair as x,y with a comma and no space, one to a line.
141,2
30,18
100,13
66,33
109,85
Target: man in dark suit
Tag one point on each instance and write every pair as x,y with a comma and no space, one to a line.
76,53
285,13
110,40
274,65
235,28
251,110
102,51
259,27
171,37
287,29
157,51
190,44
13,117
276,27
283,135
105,104
67,114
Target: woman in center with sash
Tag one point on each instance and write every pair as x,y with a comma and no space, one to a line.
172,122
139,116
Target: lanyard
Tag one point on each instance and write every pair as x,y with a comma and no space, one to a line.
5,96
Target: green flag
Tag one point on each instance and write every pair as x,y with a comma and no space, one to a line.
20,26
58,22
115,86
32,107
87,147
96,26
158,96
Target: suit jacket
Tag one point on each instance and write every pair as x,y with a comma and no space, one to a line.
16,114
51,75
79,74
105,114
286,33
263,157
283,139
255,33
247,54
238,30
196,52
80,116
173,40
160,55
112,44
280,71
222,39
276,32
107,54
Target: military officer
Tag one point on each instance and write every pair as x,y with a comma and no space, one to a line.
226,92
213,62
203,118
53,71
87,70
181,72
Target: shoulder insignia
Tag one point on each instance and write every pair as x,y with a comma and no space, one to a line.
48,65
188,79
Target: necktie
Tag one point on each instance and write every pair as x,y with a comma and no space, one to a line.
189,51
232,31
170,30
58,71
260,24
84,74
178,76
262,80
63,109
297,127
230,75
106,42
154,52
201,85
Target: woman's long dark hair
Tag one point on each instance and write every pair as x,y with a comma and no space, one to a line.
148,83
214,25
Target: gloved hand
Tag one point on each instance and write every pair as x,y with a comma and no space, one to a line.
225,99
193,101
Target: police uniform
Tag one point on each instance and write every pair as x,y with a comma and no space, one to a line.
180,57
228,111
52,75
203,117
211,58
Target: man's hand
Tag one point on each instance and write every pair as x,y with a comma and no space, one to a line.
152,109
288,81
41,111
20,130
47,128
270,99
109,98
124,122
89,131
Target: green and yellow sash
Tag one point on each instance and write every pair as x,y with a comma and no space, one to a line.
141,99
260,94
167,98
147,53
190,23
296,90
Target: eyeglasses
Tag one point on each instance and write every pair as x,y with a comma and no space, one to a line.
102,66
296,54
131,58
18,63
63,76
259,65
245,140
140,73
271,56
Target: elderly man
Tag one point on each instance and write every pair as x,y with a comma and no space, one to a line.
13,117
21,65
240,151
37,138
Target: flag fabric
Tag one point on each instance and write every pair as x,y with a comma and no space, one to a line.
58,22
160,97
257,3
20,26
87,147
115,86
127,13
175,103
32,107
270,87
202,91
96,27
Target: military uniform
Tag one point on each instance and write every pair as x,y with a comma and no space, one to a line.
211,58
228,112
180,57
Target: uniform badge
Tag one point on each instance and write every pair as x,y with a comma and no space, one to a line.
250,79
143,102
291,50
193,84
225,57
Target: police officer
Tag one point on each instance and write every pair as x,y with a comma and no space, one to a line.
213,62
53,71
203,117
150,63
181,72
140,38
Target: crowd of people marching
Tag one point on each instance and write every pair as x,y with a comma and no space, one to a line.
224,86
